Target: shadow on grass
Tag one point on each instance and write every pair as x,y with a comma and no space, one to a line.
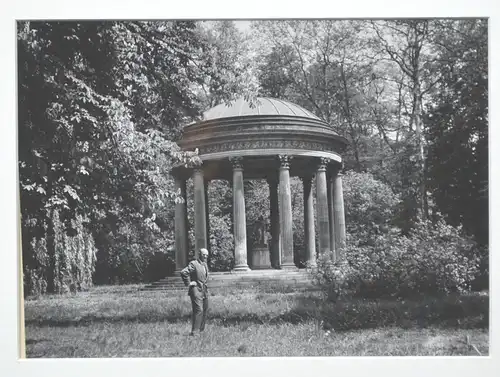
89,320
451,311
447,311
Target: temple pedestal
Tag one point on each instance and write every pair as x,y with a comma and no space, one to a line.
261,258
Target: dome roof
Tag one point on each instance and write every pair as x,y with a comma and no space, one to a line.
259,131
261,106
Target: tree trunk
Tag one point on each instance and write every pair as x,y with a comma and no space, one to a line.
51,251
417,120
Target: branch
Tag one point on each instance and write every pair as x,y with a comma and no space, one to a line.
395,57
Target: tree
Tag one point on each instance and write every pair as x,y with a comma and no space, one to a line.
323,66
457,128
230,56
409,45
100,106
274,77
58,113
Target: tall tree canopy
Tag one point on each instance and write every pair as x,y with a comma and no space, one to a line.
100,106
377,83
457,127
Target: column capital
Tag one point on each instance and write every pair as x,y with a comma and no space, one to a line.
236,162
285,161
323,163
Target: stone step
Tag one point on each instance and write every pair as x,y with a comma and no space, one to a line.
214,281
253,288
178,281
248,284
227,281
250,275
260,272
251,280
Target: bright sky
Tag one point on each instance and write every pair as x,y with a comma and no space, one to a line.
242,25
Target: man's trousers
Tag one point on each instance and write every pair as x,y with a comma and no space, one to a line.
199,301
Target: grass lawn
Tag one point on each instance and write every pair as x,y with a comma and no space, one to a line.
123,322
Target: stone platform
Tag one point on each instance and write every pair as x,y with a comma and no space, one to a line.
270,279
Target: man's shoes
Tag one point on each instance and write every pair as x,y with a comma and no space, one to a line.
195,334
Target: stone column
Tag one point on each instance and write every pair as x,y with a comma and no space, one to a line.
285,204
207,221
275,228
239,217
181,227
322,207
309,236
339,216
200,217
331,217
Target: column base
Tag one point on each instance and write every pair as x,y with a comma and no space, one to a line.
289,267
241,268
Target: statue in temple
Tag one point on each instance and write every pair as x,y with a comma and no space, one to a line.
261,234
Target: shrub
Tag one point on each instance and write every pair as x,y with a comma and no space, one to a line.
129,248
482,279
434,258
74,258
370,205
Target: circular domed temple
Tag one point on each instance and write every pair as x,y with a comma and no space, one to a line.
269,139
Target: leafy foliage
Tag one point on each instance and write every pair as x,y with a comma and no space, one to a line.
231,56
100,106
370,206
73,264
221,243
434,258
321,65
457,124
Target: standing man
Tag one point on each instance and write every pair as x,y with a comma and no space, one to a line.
195,276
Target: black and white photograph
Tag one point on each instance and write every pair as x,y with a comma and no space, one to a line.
201,188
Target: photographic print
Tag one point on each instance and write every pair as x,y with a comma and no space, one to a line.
243,188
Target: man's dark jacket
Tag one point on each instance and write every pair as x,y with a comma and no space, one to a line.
196,271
